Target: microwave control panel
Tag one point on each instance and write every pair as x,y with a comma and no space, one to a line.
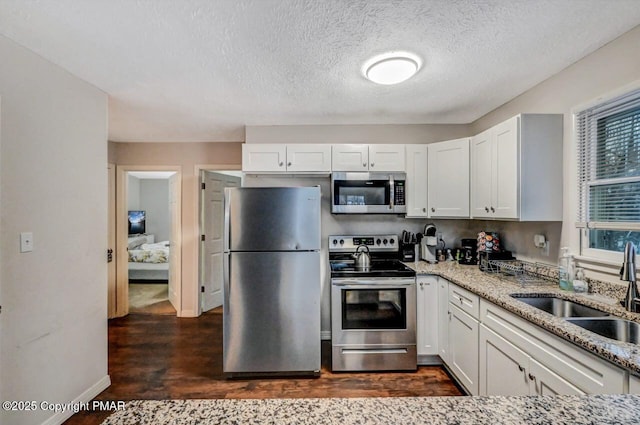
399,193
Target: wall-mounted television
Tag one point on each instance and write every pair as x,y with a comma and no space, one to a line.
137,222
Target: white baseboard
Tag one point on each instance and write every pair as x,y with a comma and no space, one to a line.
85,397
187,313
324,335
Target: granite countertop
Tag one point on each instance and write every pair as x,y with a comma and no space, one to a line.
498,289
559,410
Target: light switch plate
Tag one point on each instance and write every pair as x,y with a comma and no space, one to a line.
26,242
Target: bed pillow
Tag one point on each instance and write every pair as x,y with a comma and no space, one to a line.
136,241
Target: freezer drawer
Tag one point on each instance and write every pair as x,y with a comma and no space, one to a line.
271,313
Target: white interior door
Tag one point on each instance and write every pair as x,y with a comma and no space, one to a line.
212,225
175,266
111,244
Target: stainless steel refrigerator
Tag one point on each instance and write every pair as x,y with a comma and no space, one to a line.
271,307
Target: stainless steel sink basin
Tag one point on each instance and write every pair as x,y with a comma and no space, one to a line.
618,329
559,307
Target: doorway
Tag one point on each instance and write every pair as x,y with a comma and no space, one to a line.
148,243
211,273
148,239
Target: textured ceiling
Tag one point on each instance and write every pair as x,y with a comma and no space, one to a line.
200,70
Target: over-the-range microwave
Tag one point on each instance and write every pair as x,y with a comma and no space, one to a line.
368,193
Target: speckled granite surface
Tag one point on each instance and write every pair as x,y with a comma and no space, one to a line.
498,290
575,410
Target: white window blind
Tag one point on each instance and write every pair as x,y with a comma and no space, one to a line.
609,171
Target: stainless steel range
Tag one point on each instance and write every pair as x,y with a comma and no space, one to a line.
373,309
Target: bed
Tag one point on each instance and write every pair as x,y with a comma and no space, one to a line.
148,260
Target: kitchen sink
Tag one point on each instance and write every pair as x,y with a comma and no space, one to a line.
559,307
618,329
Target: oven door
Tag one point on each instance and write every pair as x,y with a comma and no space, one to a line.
373,311
362,193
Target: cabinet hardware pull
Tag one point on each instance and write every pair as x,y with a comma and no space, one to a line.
364,164
486,209
372,164
460,300
533,378
493,210
433,209
424,210
289,164
281,163
421,284
521,368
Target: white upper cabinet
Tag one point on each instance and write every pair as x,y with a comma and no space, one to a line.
274,158
516,169
264,157
448,178
312,157
416,184
384,157
350,157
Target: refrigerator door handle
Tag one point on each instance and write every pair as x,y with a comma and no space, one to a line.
226,291
227,222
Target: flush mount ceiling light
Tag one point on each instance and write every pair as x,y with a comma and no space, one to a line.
391,68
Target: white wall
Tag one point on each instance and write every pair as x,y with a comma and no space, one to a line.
609,68
133,193
53,174
154,199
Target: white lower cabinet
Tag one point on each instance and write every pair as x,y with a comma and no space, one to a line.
507,370
554,366
443,320
634,384
463,348
427,312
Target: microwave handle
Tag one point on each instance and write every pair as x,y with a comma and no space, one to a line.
392,192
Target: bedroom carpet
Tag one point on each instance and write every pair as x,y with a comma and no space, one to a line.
150,298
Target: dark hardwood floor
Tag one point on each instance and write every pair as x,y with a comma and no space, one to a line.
163,357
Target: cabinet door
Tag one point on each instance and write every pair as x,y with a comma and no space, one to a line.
263,157
311,158
503,367
506,181
463,348
545,382
448,183
386,158
482,174
427,309
350,157
443,320
416,185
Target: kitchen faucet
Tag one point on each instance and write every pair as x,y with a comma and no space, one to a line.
628,273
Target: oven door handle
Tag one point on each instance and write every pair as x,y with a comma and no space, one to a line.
373,285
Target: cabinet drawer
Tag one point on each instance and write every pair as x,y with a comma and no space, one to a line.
582,369
465,300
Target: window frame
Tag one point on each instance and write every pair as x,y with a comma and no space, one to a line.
598,257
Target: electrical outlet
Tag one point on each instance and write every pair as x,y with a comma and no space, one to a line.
439,236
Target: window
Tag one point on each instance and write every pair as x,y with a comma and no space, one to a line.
609,173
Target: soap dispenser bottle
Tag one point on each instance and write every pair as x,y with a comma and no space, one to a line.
563,268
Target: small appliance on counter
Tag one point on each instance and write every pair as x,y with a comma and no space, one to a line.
468,252
408,242
428,244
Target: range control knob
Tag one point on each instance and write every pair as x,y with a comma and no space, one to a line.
378,241
384,241
341,241
391,241
335,241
